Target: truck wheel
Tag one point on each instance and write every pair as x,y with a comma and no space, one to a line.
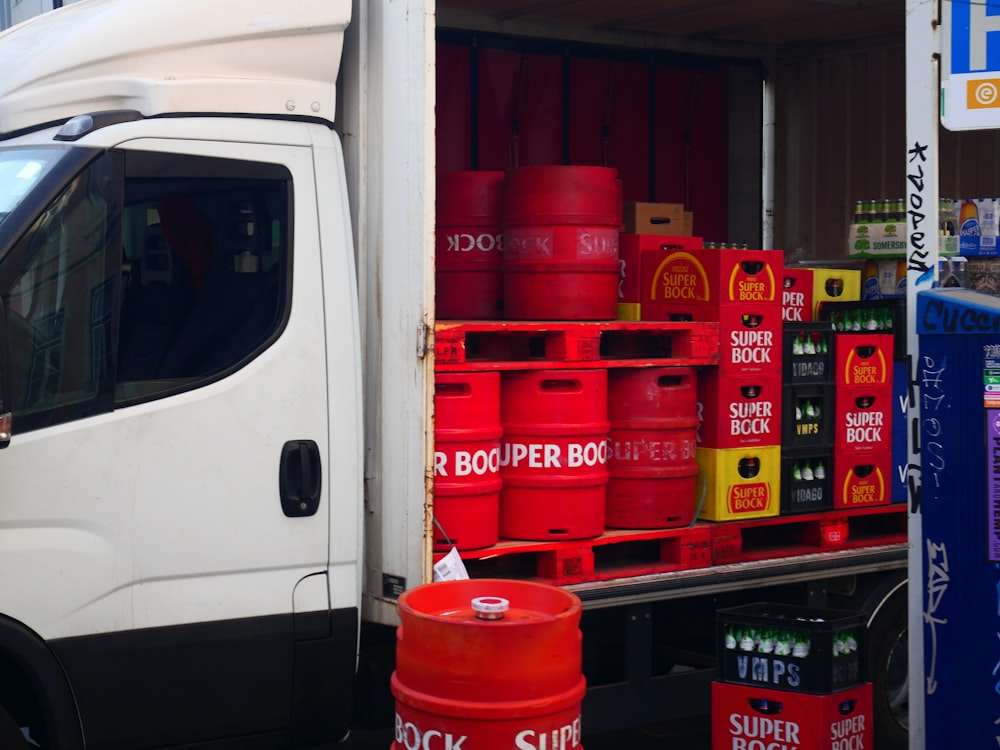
888,668
10,733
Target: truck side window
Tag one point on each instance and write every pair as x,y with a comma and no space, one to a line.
149,274
60,305
205,270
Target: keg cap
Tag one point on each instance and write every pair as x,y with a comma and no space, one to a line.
490,607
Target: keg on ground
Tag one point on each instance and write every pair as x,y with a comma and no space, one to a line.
489,664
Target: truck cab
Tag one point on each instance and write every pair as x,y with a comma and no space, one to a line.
181,388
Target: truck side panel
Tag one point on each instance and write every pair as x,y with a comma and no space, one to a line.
388,126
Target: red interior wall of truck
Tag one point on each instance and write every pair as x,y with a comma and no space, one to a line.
454,131
520,108
691,149
662,125
609,119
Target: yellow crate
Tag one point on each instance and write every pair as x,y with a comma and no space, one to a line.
730,496
845,280
629,311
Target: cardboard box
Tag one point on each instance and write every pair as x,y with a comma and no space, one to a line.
630,250
759,717
863,419
870,240
655,218
863,360
710,278
737,412
874,240
861,481
740,483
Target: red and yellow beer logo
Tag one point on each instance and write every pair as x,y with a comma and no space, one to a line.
749,498
752,281
866,365
863,485
680,277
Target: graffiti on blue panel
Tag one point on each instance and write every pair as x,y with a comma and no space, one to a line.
932,396
940,317
937,584
910,473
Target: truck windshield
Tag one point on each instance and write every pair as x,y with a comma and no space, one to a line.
20,171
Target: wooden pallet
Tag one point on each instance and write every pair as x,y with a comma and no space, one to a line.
787,536
511,345
614,554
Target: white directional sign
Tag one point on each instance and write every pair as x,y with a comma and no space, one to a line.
970,64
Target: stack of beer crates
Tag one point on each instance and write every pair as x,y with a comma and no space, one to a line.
739,437
848,350
808,403
790,677
871,425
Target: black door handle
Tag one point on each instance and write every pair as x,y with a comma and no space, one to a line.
300,478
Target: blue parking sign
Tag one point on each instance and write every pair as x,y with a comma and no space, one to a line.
970,69
975,36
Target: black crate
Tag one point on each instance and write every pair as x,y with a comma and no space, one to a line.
807,354
784,647
888,312
807,416
806,481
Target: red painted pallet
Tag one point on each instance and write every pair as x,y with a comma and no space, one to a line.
506,345
614,554
787,536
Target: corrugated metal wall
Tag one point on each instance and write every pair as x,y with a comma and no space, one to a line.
841,136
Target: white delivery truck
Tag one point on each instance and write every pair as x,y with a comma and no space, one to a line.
216,378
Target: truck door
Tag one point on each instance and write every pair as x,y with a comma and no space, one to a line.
166,494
